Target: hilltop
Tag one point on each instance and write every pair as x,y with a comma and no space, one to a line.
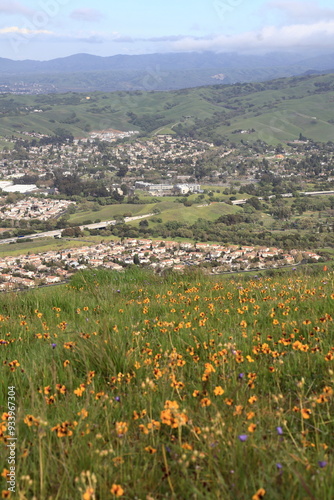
137,385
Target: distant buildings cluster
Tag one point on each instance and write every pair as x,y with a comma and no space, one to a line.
55,266
168,189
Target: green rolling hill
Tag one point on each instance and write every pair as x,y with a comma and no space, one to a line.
273,111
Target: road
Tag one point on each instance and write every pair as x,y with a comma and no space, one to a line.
57,232
288,195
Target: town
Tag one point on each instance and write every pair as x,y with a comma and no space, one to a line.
47,182
57,266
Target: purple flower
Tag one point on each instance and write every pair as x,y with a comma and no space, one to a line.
241,375
53,346
243,437
279,431
279,466
322,463
117,398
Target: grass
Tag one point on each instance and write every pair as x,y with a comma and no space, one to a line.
278,112
135,385
110,211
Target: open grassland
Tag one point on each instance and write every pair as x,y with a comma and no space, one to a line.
274,111
109,212
135,385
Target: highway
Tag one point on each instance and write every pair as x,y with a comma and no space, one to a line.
288,195
57,232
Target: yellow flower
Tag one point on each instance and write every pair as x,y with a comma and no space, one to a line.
251,427
259,494
83,413
150,450
219,391
121,428
205,402
117,490
306,413
89,494
80,390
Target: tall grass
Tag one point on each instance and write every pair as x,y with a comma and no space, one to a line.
141,386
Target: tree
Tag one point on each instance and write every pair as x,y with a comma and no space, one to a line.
136,260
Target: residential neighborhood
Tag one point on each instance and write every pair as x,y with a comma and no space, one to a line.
31,270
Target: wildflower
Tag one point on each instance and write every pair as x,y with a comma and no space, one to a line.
80,390
53,345
279,466
251,427
61,388
306,413
322,463
205,402
238,410
117,490
243,437
30,420
121,428
89,494
83,413
218,391
228,401
259,494
150,450
279,431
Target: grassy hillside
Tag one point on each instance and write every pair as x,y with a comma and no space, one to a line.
140,386
273,111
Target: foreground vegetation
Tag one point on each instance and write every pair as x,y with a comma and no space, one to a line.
135,385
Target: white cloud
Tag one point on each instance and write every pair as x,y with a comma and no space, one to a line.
23,31
8,7
302,12
319,35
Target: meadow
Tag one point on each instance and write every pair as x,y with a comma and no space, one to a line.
140,386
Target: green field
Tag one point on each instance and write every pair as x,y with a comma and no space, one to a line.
278,110
184,387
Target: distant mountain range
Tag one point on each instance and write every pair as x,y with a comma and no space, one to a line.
82,72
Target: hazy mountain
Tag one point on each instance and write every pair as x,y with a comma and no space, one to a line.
182,61
81,72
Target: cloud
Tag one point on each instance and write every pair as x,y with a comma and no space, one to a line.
154,39
23,31
8,7
87,15
319,35
303,12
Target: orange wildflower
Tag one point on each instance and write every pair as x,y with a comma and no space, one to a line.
117,490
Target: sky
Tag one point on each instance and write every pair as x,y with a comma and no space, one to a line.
47,29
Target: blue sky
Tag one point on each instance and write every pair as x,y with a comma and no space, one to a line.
46,29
